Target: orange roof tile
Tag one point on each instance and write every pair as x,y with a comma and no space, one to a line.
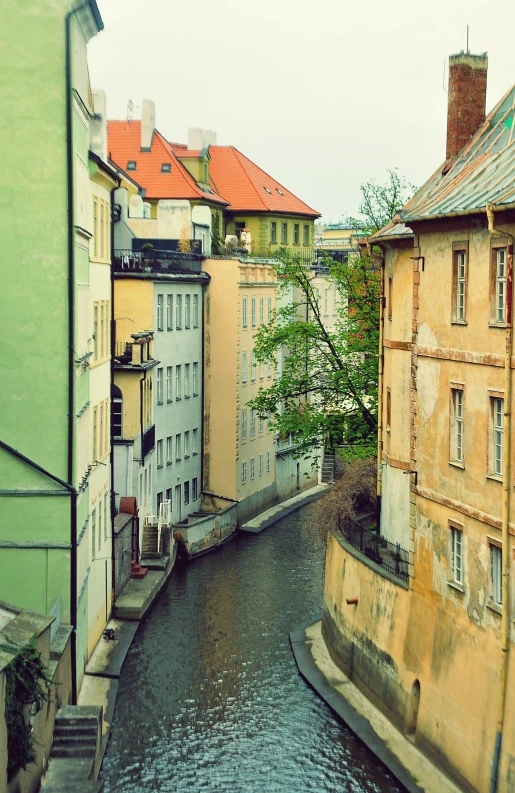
123,144
250,189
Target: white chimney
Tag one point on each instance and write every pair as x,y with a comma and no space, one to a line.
148,124
98,126
201,138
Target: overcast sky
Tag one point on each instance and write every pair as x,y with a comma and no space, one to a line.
323,95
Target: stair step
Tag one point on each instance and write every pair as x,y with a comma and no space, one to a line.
141,573
73,751
75,731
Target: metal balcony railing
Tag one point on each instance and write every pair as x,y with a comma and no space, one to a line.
369,542
127,260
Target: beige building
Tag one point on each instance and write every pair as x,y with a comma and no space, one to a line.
430,637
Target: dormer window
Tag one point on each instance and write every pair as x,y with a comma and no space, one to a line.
206,173
131,165
279,191
267,190
166,167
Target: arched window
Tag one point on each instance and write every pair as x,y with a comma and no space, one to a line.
116,412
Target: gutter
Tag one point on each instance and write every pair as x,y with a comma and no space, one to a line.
461,213
379,383
505,624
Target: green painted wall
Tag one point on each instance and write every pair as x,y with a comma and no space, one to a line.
259,227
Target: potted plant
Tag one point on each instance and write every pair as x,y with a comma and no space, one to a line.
147,257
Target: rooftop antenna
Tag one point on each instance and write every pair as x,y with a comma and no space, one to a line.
130,108
467,39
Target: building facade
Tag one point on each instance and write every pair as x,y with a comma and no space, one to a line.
437,656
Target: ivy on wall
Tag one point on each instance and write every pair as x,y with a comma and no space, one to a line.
27,689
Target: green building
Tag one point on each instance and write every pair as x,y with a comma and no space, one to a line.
45,314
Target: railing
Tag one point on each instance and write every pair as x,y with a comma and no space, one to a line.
148,442
127,260
377,548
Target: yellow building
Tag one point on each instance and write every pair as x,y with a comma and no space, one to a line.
430,637
338,240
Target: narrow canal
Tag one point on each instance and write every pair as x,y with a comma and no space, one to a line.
210,698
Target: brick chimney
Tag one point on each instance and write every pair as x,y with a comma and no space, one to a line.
467,99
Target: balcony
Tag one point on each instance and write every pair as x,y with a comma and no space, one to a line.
361,532
148,441
136,354
154,260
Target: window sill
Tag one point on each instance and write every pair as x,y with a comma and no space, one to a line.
160,330
494,478
494,607
160,465
178,459
177,399
456,586
169,400
186,456
186,396
497,325
456,464
159,402
195,394
195,454
459,322
169,462
169,329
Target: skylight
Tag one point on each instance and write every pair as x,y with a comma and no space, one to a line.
166,167
267,190
131,165
279,191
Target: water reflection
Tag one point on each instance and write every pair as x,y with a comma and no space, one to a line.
210,698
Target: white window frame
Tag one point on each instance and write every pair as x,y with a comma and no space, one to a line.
244,425
169,450
186,381
194,441
244,367
457,425
252,423
169,312
244,312
261,425
269,313
195,311
461,284
159,452
194,379
169,383
187,443
243,473
187,311
268,461
500,284
261,310
496,574
178,382
160,307
159,381
261,464
456,555
497,434
253,312
253,368
178,453
252,468
178,312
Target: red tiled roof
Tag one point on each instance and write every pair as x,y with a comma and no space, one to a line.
124,143
243,183
186,153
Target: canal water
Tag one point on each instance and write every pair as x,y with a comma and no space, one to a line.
210,698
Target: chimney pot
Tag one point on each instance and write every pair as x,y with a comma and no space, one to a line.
466,108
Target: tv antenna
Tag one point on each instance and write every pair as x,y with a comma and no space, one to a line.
467,39
130,108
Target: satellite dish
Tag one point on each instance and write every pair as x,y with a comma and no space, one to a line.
130,105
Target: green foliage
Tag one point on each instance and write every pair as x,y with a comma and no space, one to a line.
216,234
326,391
380,203
27,684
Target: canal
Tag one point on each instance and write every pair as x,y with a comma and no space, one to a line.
210,698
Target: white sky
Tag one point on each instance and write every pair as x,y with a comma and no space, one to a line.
321,95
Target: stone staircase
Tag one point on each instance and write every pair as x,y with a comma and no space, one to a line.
328,464
75,733
75,753
150,549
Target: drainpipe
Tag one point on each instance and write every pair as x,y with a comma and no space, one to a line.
111,456
505,631
379,386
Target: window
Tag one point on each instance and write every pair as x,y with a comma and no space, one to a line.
456,440
252,467
261,425
160,299
244,367
268,460
178,312
279,191
261,458
169,450
178,380
169,312
244,425
95,331
100,525
195,311
269,370
269,315
178,446
253,368
296,233
169,496
95,440
261,310
160,386
131,165
284,233
252,423
116,412
267,190
159,501
261,370
306,234
105,516
95,226
459,281
194,443
390,295
497,435
187,443
194,489
244,313
273,231
456,554
166,167
186,493
187,311
102,329
169,383
253,312
496,574
500,286
206,172
186,381
239,228
93,532
243,473
159,447
102,228
388,409
100,448
194,382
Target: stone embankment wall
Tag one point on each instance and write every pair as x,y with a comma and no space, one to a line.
419,658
